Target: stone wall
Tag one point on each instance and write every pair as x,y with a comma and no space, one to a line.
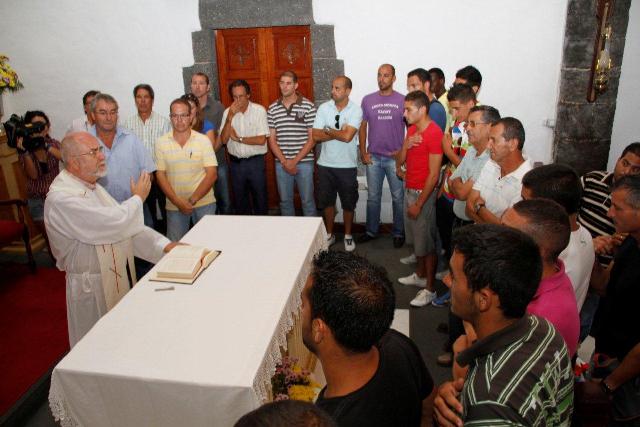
224,14
583,130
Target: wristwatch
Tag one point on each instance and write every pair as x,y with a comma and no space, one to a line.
327,129
477,207
191,201
240,139
606,387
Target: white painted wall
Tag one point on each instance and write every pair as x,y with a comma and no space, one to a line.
516,45
626,126
63,48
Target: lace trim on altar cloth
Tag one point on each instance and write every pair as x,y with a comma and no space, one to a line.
262,381
58,406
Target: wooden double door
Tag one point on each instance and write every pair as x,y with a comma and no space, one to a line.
260,56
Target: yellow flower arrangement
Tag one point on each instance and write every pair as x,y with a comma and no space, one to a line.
8,77
291,381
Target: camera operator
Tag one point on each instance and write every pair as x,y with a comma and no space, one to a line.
41,164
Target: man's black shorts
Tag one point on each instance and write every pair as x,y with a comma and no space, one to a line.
340,181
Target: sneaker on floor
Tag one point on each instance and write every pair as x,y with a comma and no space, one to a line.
331,240
349,244
423,298
364,238
413,280
443,300
440,274
445,359
411,259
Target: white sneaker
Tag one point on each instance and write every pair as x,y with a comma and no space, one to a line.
411,259
440,274
331,240
413,280
349,244
423,297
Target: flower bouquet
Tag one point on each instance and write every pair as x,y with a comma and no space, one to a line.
292,382
8,77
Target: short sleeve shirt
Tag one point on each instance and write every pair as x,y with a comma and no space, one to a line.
292,126
252,122
185,166
417,160
500,193
469,168
126,159
334,153
383,114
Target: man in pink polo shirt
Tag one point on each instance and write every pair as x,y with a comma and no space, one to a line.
548,224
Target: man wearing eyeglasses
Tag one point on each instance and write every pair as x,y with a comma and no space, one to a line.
336,128
94,237
186,171
126,156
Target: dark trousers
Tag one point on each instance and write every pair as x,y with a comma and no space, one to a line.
444,221
156,195
456,328
249,183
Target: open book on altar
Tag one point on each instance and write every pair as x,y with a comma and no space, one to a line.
183,264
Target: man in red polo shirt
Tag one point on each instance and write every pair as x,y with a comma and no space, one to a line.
422,155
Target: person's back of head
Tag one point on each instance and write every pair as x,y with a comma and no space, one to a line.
286,413
556,182
547,223
471,75
353,297
503,259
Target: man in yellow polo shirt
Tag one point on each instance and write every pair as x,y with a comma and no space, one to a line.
186,171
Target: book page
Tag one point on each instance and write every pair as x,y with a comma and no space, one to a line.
183,261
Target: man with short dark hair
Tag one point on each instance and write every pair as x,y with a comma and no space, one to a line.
83,124
213,110
383,129
375,375
336,128
420,79
548,225
245,133
291,141
500,183
617,349
519,370
561,184
440,92
469,75
148,126
422,154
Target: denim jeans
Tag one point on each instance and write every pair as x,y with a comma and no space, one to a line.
178,223
384,166
221,189
304,180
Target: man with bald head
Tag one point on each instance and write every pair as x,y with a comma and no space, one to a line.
381,135
92,236
336,129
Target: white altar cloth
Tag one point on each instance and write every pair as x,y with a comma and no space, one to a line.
202,354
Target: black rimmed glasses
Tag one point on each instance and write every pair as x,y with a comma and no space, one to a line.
337,121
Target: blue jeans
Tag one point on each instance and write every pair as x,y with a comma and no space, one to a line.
221,189
249,183
384,166
304,180
178,223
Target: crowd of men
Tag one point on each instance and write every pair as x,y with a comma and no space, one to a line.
538,258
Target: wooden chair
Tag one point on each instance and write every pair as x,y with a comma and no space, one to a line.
11,230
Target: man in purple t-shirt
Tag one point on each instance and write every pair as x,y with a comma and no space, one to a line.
383,128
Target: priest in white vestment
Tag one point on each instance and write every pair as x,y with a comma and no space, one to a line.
94,238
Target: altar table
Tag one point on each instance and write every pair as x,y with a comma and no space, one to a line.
201,354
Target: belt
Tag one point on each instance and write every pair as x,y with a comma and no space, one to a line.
241,159
413,191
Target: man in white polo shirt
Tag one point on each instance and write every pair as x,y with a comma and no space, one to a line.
500,183
245,131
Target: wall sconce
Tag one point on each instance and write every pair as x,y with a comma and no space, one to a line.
601,64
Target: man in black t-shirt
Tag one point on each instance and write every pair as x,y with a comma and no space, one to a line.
617,335
375,375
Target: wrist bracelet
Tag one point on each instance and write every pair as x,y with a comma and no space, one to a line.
605,387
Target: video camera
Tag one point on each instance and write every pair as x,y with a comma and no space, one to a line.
15,128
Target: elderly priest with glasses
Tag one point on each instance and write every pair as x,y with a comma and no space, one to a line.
93,237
